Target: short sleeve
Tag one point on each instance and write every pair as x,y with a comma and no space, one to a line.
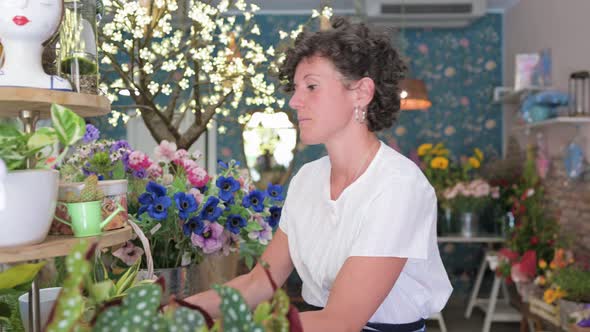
291,193
398,222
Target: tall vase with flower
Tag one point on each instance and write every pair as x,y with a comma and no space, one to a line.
193,220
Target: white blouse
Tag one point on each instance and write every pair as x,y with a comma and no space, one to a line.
389,211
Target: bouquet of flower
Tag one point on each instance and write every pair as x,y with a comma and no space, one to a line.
107,159
434,161
470,196
186,213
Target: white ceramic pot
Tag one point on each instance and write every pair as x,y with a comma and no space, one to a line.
47,298
30,199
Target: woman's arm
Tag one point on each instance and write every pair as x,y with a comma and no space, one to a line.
359,289
254,286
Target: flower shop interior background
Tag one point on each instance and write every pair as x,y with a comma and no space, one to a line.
491,118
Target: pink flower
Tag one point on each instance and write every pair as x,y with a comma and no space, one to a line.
264,235
198,177
197,195
464,101
165,151
423,48
180,154
128,253
231,244
464,42
188,164
480,188
154,171
212,238
138,160
495,192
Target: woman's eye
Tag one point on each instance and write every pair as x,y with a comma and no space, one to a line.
311,87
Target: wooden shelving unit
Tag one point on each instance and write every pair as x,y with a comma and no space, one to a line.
61,245
13,100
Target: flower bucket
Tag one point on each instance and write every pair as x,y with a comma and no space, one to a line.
469,224
115,192
30,200
188,280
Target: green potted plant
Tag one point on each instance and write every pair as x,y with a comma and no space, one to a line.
22,188
108,160
575,284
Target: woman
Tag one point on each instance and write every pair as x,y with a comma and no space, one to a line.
360,224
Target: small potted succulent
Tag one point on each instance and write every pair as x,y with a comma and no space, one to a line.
23,187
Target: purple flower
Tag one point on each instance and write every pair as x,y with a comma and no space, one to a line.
254,199
275,192
185,203
121,144
194,226
275,216
210,210
91,135
235,223
211,240
227,187
128,253
264,235
139,174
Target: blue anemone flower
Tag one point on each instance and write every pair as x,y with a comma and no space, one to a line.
193,225
235,222
185,203
210,210
227,187
154,201
275,191
254,199
275,216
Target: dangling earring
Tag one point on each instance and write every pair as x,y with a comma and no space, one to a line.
360,118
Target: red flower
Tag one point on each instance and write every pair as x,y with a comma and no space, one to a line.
534,240
550,242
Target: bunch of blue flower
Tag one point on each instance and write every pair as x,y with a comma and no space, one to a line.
228,214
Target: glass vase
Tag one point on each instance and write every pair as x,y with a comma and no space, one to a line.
78,59
469,223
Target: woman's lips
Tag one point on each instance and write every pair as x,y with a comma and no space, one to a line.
20,20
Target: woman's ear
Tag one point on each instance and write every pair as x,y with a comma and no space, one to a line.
365,90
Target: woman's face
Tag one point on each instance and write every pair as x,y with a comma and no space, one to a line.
31,20
323,103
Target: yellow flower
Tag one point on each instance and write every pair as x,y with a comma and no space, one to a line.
424,148
549,296
542,264
474,162
439,162
553,265
478,154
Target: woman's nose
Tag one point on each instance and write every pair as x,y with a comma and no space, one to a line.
295,101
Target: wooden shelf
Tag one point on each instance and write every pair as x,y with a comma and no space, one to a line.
564,120
60,245
15,99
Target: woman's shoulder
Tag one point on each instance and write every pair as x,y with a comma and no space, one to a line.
396,169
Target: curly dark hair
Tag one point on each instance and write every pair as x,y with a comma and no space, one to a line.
356,51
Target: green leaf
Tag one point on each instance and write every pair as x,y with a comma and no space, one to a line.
119,170
69,126
19,275
42,137
9,132
262,312
253,226
102,291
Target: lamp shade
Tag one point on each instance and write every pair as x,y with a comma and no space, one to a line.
413,95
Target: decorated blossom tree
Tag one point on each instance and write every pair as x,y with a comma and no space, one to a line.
197,59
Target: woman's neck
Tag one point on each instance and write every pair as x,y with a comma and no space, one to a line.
349,159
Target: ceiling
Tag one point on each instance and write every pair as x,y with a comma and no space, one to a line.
345,6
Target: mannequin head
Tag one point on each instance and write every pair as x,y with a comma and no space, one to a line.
29,20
